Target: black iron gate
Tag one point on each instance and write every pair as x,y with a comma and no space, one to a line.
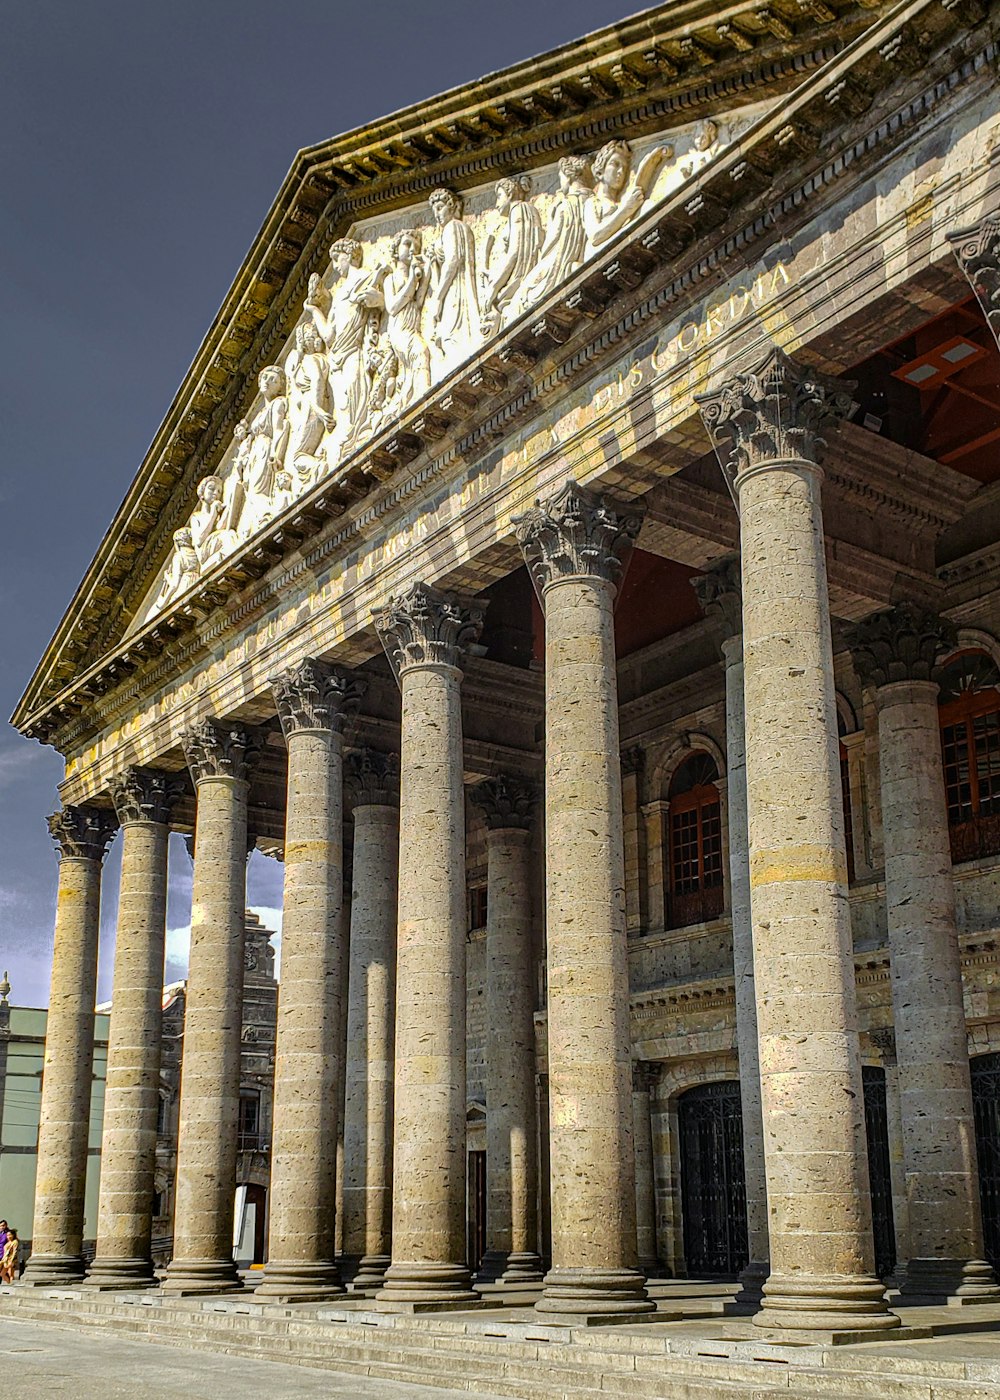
713,1187
879,1170
986,1109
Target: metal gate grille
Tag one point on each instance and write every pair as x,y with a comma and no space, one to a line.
986,1109
879,1169
713,1187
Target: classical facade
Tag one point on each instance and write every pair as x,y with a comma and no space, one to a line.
580,526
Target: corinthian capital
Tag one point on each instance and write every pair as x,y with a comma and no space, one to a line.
900,644
720,593
577,533
505,802
978,252
372,778
216,750
426,627
83,832
313,695
145,795
772,414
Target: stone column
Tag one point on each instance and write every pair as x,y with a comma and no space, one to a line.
511,1172
719,593
128,1148
373,785
575,546
643,1079
312,700
82,835
767,425
424,633
978,252
895,652
204,1200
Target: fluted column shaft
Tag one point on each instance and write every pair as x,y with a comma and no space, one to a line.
574,546
132,1096
368,1122
423,632
896,651
213,1015
821,1250
511,1172
64,1124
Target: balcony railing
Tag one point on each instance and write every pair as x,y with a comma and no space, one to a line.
696,907
974,839
253,1142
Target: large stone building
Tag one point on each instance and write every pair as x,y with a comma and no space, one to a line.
584,509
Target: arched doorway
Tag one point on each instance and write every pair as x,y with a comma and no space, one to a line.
879,1169
986,1110
713,1186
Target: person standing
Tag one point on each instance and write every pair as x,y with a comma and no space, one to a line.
8,1260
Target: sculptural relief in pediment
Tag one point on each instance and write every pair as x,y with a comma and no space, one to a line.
407,297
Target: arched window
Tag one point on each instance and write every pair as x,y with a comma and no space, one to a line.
969,713
695,849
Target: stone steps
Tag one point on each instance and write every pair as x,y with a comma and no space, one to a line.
516,1359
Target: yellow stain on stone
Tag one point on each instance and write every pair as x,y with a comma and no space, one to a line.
805,862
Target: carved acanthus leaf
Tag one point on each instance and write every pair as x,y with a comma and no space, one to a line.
83,832
578,533
372,778
313,695
720,592
771,414
424,626
505,802
215,750
978,252
145,795
902,643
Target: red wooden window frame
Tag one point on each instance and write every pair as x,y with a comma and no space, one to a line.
969,718
694,847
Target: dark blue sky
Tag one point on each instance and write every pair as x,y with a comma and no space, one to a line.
141,144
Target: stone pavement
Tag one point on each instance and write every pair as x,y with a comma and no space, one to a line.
42,1360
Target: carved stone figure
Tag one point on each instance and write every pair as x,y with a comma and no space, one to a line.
403,286
454,303
381,365
565,243
266,455
341,317
209,535
182,571
512,256
618,194
310,404
703,148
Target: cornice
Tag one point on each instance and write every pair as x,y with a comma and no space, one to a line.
518,364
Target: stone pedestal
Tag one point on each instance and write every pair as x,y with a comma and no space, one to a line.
767,424
210,1070
373,785
511,1170
643,1079
575,546
132,1096
720,595
302,1207
82,834
424,633
896,651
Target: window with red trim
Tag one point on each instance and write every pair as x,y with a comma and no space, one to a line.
695,846
969,714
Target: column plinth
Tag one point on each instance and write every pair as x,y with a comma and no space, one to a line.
768,425
424,633
373,783
575,546
896,652
204,1205
82,834
312,700
128,1151
511,1172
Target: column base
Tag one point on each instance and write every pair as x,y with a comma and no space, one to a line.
420,1287
751,1292
53,1271
296,1282
192,1276
114,1274
370,1272
514,1266
837,1303
580,1296
952,1282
